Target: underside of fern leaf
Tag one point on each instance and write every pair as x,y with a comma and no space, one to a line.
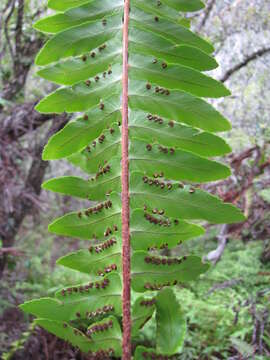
145,138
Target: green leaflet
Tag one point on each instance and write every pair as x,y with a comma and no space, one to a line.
90,224
67,333
155,129
77,134
96,188
154,275
164,11
185,203
64,74
171,324
78,40
175,77
149,44
142,311
171,139
110,339
166,28
97,155
69,185
78,301
181,55
175,164
179,106
148,235
99,260
82,96
74,70
93,10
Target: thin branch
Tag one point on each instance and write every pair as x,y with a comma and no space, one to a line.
28,50
206,15
254,56
18,33
224,285
12,8
256,171
21,47
21,120
215,255
11,251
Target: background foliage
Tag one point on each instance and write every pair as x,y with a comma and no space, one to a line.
228,310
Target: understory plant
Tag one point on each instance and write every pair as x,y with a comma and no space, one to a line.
132,72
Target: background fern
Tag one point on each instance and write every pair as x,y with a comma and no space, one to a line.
172,133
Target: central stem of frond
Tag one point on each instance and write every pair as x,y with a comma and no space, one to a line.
125,196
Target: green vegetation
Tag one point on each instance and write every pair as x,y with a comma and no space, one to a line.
211,314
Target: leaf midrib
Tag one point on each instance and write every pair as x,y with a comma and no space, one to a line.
67,72
87,36
92,19
140,317
170,135
195,113
171,163
105,258
90,297
159,233
177,56
96,153
164,273
94,222
169,76
97,90
165,198
105,181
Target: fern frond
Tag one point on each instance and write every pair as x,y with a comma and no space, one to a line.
171,141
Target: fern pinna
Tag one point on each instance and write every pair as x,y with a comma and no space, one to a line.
133,69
